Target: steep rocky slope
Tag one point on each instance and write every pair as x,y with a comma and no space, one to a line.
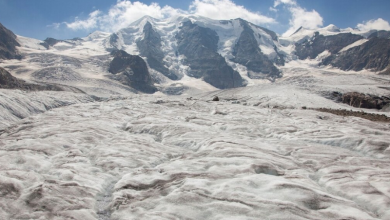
312,47
8,44
373,55
131,70
150,47
199,46
248,53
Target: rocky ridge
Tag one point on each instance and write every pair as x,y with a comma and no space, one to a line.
247,52
131,70
314,46
224,54
8,44
7,81
150,47
373,55
199,45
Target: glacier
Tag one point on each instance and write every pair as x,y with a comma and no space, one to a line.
255,154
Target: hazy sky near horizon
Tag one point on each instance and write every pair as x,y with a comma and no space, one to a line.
77,18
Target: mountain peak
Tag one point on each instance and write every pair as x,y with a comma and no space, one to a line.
332,28
298,30
97,34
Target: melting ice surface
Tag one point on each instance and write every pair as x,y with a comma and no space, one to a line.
148,157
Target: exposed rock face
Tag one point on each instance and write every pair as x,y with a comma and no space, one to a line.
373,55
49,42
8,44
312,47
199,46
360,100
132,71
150,47
380,34
7,81
113,43
114,39
247,52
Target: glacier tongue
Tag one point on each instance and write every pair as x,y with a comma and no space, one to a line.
147,157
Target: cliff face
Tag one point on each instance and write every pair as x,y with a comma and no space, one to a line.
373,55
312,47
150,47
132,71
199,45
8,44
247,53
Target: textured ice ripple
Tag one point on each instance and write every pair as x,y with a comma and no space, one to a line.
183,159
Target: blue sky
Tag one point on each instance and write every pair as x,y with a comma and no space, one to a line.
77,18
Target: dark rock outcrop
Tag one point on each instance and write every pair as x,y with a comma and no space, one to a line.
150,47
8,44
373,55
7,81
48,42
113,43
247,52
360,100
312,47
132,71
199,45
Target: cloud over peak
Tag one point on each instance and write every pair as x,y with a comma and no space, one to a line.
124,12
286,14
378,24
300,17
121,15
225,10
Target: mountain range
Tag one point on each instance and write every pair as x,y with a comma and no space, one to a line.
218,54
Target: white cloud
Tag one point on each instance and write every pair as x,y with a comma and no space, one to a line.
300,17
273,9
124,12
378,24
89,23
120,15
226,9
54,25
286,2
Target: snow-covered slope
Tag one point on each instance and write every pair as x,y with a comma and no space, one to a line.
228,33
254,53
303,34
82,63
